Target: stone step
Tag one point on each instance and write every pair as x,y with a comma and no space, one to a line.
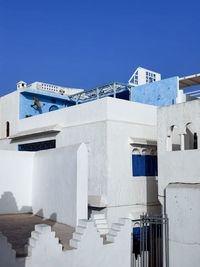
9,246
77,236
29,250
103,231
13,253
110,238
32,241
74,243
100,226
56,240
83,223
113,232
117,226
100,221
35,234
42,228
122,221
98,216
80,229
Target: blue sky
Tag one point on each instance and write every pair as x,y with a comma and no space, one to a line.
83,44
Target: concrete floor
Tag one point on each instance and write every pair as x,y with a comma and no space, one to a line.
18,227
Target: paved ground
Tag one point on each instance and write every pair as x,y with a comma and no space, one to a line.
18,227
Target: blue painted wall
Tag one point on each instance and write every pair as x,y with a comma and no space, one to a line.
48,102
161,93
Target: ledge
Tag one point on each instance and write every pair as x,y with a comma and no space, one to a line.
36,131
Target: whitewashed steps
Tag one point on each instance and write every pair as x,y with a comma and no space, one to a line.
100,223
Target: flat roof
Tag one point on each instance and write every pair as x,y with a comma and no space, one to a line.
188,81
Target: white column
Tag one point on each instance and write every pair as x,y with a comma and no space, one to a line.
182,142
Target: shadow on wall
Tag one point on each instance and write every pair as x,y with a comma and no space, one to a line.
52,217
8,205
154,206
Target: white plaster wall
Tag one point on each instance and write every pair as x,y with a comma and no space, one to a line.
90,251
75,115
128,189
97,110
7,255
128,111
60,184
44,249
179,115
15,181
131,196
105,125
94,135
182,207
9,110
132,212
177,166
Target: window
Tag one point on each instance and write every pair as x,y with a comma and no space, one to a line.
190,138
7,129
144,159
144,165
37,146
173,139
150,77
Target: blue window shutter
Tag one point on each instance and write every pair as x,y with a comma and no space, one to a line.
155,166
144,165
136,165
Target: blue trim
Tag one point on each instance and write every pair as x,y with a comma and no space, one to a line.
53,107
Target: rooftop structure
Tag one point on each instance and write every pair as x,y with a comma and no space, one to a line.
46,87
143,76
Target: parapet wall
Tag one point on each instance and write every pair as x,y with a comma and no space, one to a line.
87,248
16,181
51,183
60,184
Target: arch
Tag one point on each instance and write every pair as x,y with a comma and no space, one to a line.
190,137
53,107
153,152
145,151
7,129
173,139
136,151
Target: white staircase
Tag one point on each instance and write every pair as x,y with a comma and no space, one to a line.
100,223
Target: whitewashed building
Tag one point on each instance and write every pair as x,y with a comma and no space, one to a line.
69,155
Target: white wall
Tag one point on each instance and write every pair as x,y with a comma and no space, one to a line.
182,207
60,184
7,254
121,183
15,181
105,125
45,250
178,166
97,110
9,111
